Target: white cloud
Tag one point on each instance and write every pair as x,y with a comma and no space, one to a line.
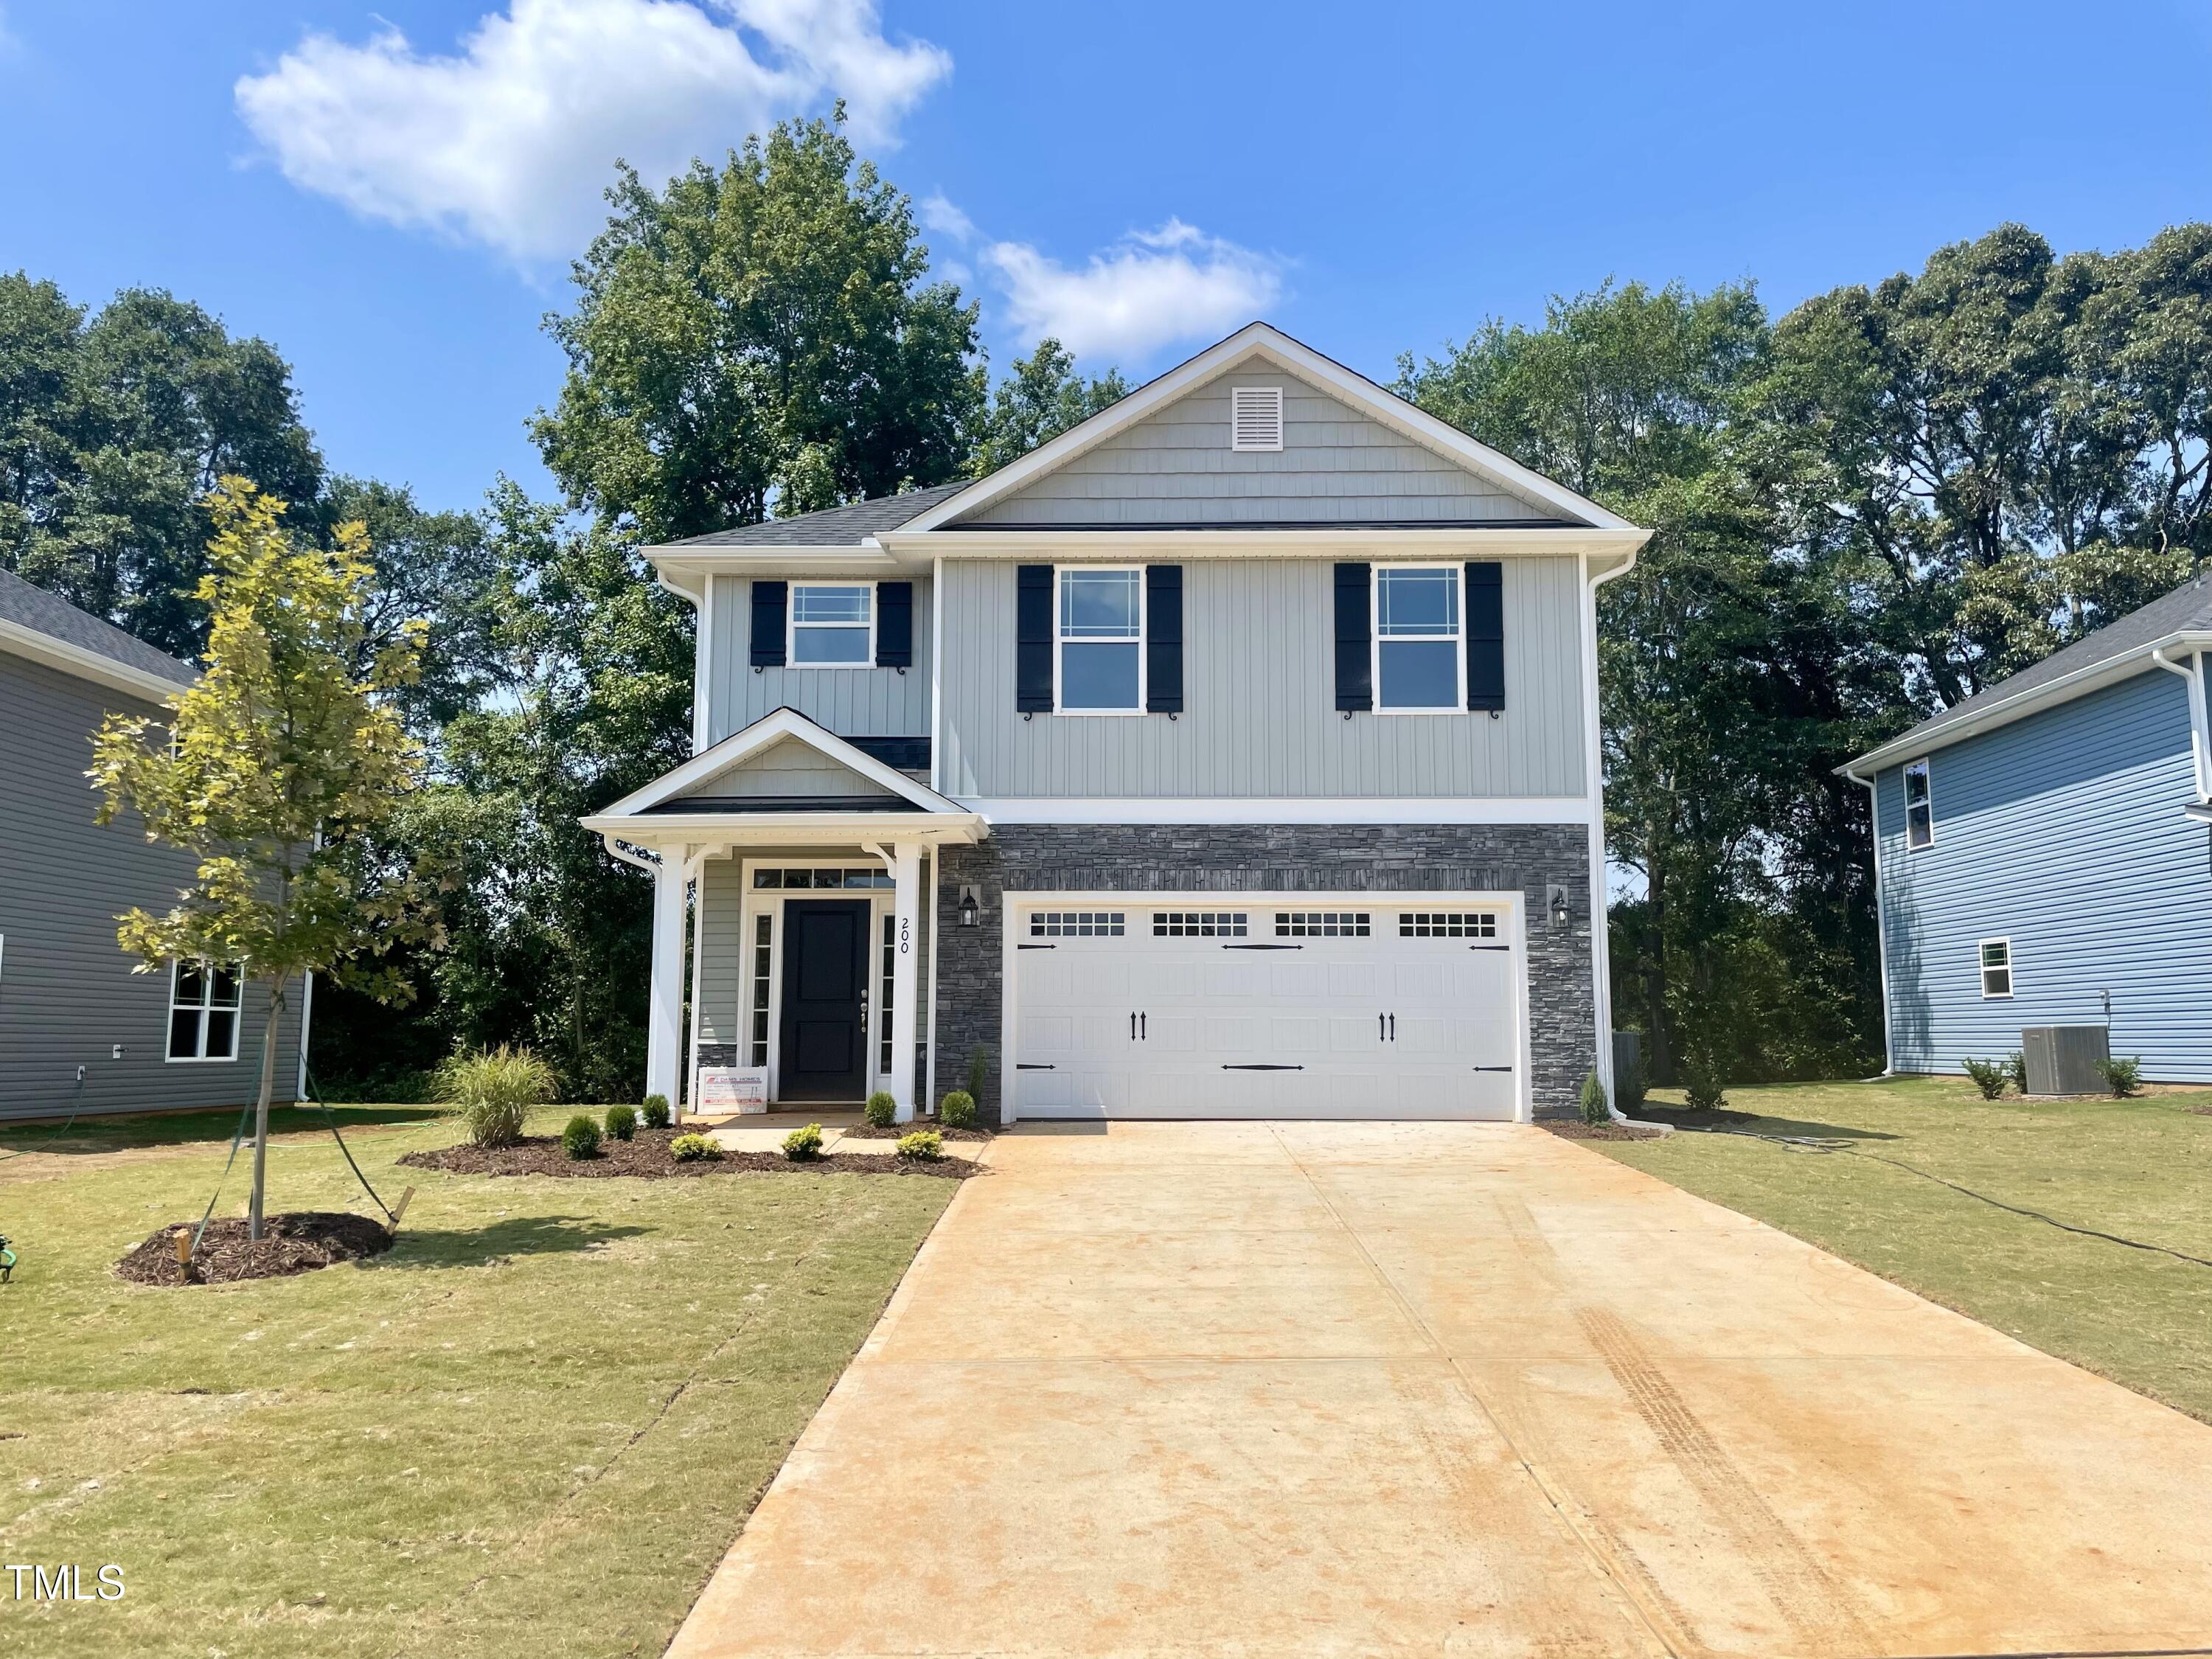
943,217
511,142
1150,289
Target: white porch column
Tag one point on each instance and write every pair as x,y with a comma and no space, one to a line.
906,938
664,1031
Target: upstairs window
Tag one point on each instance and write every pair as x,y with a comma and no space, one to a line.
203,1011
1919,806
1417,638
1102,632
1996,968
831,626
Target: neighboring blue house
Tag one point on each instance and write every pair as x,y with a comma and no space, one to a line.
2043,853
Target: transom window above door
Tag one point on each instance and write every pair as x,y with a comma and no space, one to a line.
831,626
1417,638
1100,642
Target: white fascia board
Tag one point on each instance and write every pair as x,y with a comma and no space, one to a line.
1228,809
2006,710
680,566
663,829
771,729
1321,540
1263,340
86,665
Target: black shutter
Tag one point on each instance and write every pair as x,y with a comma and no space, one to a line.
894,625
1355,660
1486,635
768,601
1164,639
1033,639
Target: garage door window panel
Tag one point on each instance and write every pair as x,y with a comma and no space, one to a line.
1201,924
1323,924
1419,660
1079,924
1100,642
1448,924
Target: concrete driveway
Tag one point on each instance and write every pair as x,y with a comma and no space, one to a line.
1443,1388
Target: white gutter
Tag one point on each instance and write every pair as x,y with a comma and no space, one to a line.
616,849
86,665
2200,746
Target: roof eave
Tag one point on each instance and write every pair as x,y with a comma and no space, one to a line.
84,664
1229,539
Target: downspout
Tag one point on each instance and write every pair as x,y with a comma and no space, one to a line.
1601,927
1880,923
2200,748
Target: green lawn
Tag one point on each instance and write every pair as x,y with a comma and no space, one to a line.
530,1429
2140,1168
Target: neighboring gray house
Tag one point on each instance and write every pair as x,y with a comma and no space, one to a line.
1235,754
78,1028
2042,856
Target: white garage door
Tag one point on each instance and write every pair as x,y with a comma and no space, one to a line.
1328,1008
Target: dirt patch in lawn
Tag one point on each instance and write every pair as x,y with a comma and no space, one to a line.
1569,1129
869,1132
648,1156
297,1242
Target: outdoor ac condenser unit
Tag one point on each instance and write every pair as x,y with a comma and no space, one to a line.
2065,1059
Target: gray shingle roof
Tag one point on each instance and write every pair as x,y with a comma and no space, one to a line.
33,608
2188,608
834,526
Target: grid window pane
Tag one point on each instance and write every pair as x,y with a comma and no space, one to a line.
829,625
762,958
1078,924
1919,809
830,604
1099,605
1323,924
1448,924
1199,924
1417,601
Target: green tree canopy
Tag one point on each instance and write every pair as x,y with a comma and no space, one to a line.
758,339
1041,399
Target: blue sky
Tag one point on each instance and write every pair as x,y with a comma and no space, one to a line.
391,195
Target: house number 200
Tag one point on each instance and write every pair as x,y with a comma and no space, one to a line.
906,936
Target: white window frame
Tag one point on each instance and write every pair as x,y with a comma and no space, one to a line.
1904,787
1059,641
791,626
1282,421
204,1005
1375,642
758,900
1985,968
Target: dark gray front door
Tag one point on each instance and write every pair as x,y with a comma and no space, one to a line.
824,1049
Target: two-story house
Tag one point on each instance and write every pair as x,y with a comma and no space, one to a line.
2041,856
1233,754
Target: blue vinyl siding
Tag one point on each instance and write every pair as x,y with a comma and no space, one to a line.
2062,832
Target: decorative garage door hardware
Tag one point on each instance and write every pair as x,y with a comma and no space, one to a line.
1138,1028
1493,1068
1036,947
1489,947
1031,1065
1263,1068
1263,947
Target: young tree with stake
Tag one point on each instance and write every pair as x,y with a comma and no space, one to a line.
277,770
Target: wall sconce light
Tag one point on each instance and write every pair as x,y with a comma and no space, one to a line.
970,908
1560,915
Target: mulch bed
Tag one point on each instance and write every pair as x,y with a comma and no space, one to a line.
1572,1129
297,1242
648,1156
869,1132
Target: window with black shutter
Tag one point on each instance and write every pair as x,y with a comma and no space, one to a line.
1164,639
1033,639
1486,635
1355,668
770,599
894,625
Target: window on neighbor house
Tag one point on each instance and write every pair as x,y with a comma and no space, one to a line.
1996,968
204,1001
830,626
1102,631
1919,806
1416,646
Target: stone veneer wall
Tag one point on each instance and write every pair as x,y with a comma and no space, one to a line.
1028,858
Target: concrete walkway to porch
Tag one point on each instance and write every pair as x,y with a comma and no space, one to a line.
1442,1388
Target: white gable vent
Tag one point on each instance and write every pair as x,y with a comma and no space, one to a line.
1255,417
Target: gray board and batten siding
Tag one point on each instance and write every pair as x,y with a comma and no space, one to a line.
67,992
1337,466
851,701
1259,717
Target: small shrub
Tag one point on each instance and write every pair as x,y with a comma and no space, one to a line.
691,1149
581,1138
1594,1110
979,1071
2123,1077
1703,1090
491,1090
655,1111
2016,1069
622,1122
924,1145
1990,1076
804,1145
958,1110
1629,1086
881,1111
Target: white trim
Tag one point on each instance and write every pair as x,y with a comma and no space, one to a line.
1880,922
306,1013
2200,743
1985,968
866,660
702,668
1260,340
88,664
1236,395
1904,787
936,673
725,830
1600,899
752,740
1267,809
1457,638
756,902
1059,640
1014,904
929,1042
206,1006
